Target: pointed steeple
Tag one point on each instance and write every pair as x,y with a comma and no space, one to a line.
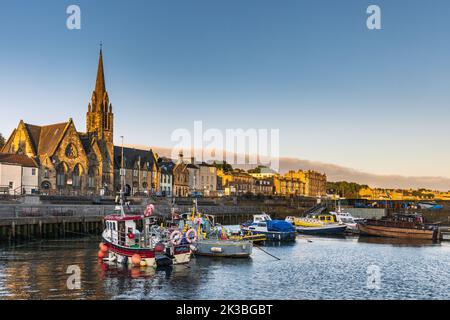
99,118
100,81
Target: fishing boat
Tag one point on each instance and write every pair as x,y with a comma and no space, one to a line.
318,224
405,226
273,230
136,239
209,239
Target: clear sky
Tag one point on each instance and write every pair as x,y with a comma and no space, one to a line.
377,101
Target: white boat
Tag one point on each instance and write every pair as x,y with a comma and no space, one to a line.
347,219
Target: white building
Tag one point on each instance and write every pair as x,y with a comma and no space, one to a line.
18,174
166,178
207,179
194,177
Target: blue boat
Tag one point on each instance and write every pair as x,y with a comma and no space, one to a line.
330,229
273,230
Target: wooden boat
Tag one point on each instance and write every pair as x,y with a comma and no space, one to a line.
405,226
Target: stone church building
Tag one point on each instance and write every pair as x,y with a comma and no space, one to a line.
72,162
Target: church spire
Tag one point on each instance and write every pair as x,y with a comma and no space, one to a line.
99,118
100,81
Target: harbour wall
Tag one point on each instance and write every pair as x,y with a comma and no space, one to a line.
25,222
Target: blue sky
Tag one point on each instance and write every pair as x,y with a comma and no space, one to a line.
376,101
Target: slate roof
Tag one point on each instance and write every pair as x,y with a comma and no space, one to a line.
131,157
18,159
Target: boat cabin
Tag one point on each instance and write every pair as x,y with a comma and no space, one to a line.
125,231
261,217
325,218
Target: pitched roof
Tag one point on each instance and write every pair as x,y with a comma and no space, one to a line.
44,139
49,137
131,157
166,166
19,159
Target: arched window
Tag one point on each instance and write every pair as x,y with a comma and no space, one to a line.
61,174
76,176
45,185
92,173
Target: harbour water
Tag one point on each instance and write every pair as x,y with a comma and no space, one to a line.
310,268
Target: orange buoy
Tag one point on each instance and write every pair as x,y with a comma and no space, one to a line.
136,259
103,248
101,254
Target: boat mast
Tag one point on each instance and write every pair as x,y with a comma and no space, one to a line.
122,176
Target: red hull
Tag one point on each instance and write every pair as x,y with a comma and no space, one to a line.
128,251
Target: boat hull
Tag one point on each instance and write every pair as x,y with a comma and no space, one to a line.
121,254
392,232
223,248
324,230
129,251
274,235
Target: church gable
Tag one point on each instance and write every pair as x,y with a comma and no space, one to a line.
20,142
70,149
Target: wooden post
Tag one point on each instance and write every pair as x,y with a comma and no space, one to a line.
13,229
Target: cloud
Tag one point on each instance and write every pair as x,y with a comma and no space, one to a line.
341,173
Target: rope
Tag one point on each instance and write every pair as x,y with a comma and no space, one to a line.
266,252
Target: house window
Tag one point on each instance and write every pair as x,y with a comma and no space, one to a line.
33,172
144,174
46,173
135,173
11,184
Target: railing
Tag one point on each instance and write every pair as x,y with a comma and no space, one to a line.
19,211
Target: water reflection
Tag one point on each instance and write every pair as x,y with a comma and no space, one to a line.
398,242
311,267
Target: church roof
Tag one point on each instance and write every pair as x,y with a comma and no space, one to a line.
49,136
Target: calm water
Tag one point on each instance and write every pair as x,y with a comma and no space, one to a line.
325,268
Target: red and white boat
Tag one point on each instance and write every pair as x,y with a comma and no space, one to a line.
137,240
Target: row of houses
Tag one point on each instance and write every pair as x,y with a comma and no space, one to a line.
143,173
267,182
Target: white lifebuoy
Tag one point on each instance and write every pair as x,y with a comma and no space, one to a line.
175,237
191,239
